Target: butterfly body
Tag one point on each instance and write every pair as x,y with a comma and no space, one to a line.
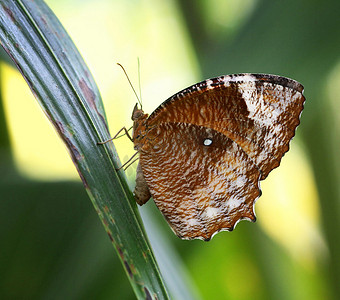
204,150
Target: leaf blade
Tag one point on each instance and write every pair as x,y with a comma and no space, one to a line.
64,87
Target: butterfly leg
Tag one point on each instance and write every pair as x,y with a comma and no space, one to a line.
141,192
128,163
116,136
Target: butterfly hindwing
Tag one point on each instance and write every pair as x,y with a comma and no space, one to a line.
202,181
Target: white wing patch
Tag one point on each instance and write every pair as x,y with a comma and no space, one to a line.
211,212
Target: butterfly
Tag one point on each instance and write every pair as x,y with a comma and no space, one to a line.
204,151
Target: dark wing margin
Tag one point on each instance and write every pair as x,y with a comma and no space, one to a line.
234,78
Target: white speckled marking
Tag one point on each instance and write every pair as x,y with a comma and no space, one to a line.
226,81
240,181
193,222
209,84
248,91
244,78
211,212
233,203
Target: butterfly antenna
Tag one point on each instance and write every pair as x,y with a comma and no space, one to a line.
130,84
139,85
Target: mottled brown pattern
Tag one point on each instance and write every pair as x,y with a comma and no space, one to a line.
198,177
249,119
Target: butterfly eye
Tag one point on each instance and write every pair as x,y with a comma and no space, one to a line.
207,142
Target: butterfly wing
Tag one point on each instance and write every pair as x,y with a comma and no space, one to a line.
201,180
259,112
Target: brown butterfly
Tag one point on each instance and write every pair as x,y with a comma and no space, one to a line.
203,152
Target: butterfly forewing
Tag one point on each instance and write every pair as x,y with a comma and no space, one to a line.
259,112
202,181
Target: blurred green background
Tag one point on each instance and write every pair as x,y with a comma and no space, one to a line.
52,243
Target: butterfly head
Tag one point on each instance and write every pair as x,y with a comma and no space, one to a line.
137,113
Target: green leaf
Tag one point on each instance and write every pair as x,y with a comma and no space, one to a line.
66,91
